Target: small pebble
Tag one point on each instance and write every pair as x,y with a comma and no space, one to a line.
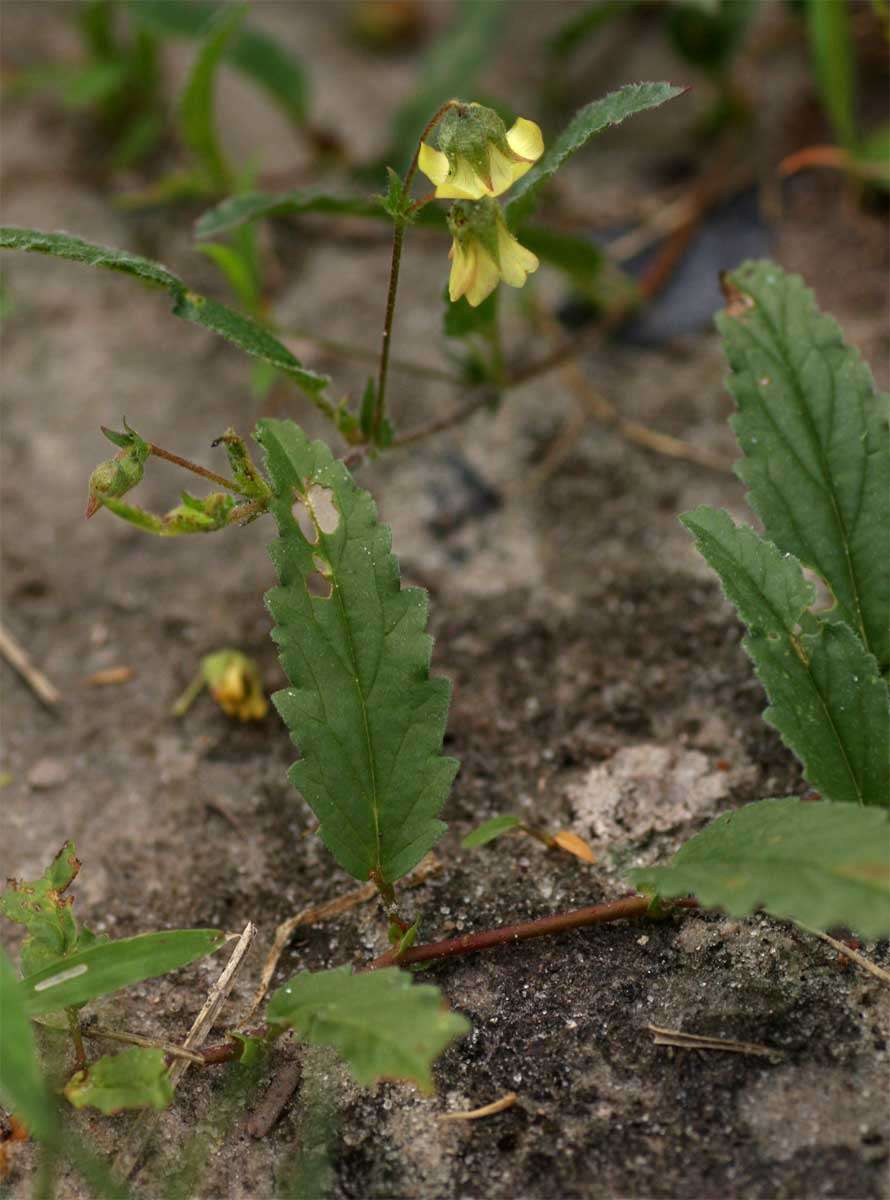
47,773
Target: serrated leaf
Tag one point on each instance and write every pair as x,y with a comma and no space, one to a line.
22,1087
39,906
252,52
384,1026
827,698
589,120
495,827
242,331
814,437
135,1078
109,966
450,68
196,120
362,707
820,863
251,206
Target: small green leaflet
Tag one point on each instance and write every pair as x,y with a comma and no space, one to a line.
385,1026
827,698
587,121
108,966
362,707
22,1087
489,830
820,863
253,53
813,432
244,332
135,1078
196,118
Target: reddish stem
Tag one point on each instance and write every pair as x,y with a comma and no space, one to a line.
469,943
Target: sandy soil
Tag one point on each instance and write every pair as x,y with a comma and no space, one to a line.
599,682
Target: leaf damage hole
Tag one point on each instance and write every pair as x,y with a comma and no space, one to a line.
316,512
319,586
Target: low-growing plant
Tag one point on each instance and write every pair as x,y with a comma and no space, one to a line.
361,704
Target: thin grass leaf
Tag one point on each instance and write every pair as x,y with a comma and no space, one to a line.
827,698
834,64
250,206
819,863
109,966
196,117
242,331
22,1087
253,53
489,830
367,717
814,436
385,1026
589,120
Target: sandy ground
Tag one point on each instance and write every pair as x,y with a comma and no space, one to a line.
599,683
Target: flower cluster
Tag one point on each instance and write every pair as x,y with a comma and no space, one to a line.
477,159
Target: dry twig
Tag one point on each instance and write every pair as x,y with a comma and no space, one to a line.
849,952
487,1110
15,655
694,1041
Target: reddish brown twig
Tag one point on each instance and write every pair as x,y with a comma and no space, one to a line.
276,1099
469,943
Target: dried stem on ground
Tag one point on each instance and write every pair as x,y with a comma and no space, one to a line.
18,659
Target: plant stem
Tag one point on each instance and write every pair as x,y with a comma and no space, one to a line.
188,465
469,943
398,237
80,1056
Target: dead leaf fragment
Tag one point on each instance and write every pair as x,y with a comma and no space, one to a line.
573,844
487,1110
110,676
737,301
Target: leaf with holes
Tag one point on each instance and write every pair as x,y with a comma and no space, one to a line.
587,121
242,331
385,1026
813,432
820,863
367,717
827,698
135,1078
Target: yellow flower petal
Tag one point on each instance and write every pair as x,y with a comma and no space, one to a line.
526,140
516,263
485,278
463,269
463,184
502,171
433,163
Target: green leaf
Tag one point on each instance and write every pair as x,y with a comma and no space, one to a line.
489,830
384,1026
872,158
108,966
819,863
22,1087
827,698
449,69
237,270
834,64
589,120
196,121
250,206
582,24
135,1078
709,35
39,906
242,331
813,432
362,707
253,53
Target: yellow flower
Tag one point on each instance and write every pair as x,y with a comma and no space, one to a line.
478,156
235,684
484,252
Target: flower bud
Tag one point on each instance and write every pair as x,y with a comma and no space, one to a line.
235,684
116,476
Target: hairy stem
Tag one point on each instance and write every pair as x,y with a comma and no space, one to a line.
195,468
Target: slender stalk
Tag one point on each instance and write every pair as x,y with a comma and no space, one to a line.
80,1056
398,237
469,943
195,468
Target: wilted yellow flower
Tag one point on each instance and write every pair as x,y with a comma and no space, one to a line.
235,684
484,252
478,156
